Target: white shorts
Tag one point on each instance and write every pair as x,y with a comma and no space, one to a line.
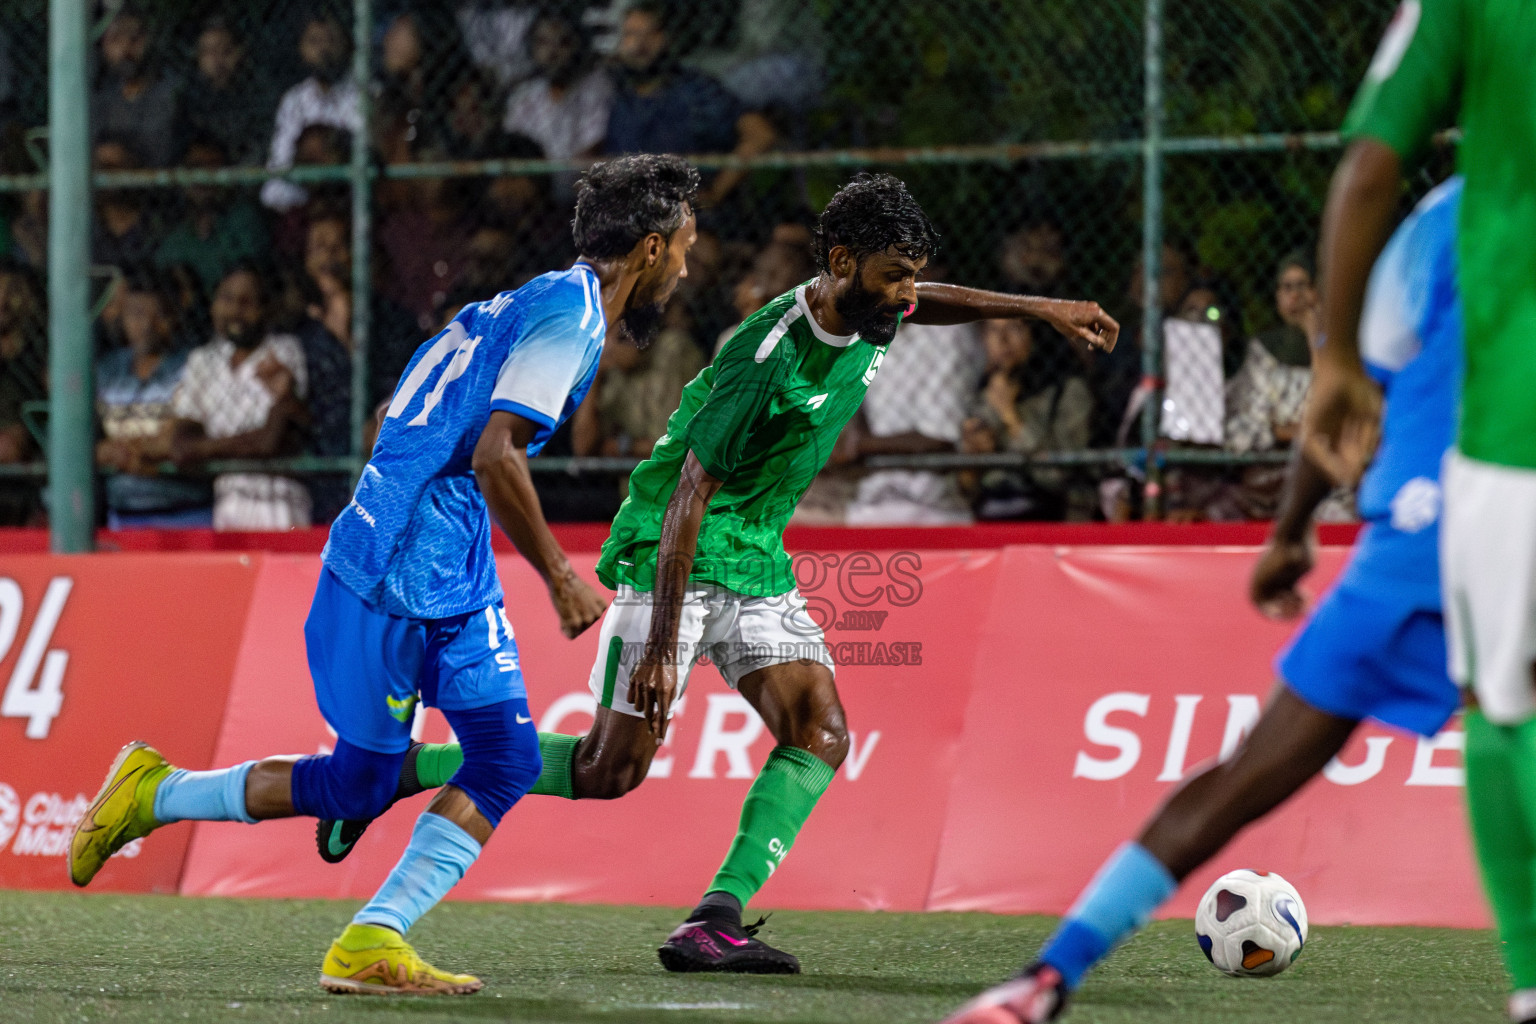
740,634
1488,578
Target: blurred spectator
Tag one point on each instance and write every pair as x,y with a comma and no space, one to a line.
421,61
23,359
1032,401
496,33
1296,304
777,61
1032,258
473,115
1210,301
319,145
134,100
521,204
125,232
565,108
1265,398
424,242
230,98
218,227
778,266
134,388
914,405
242,397
636,392
663,107
327,97
1113,377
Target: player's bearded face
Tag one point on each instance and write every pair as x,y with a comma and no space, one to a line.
867,313
641,323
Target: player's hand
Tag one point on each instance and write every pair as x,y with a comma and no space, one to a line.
1342,422
1086,322
652,687
1281,566
576,602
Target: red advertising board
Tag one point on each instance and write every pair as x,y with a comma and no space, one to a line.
95,652
1015,712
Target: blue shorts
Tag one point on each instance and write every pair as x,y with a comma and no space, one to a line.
1368,654
370,669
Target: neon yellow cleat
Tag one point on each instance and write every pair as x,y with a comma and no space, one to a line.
122,811
378,961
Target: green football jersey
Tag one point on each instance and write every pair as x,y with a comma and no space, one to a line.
762,418
1474,61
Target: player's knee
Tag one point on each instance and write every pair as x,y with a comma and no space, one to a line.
826,735
501,757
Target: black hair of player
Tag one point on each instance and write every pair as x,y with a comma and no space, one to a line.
619,202
873,213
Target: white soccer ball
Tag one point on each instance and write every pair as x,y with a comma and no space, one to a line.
1251,924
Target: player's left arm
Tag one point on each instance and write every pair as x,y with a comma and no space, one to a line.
939,303
501,471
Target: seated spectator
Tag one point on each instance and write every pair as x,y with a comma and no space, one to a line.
1296,304
135,101
914,405
1032,258
777,60
23,363
230,98
126,233
319,145
424,244
1114,376
565,107
134,388
1032,400
327,97
421,60
778,266
522,205
662,107
496,35
242,397
218,227
636,391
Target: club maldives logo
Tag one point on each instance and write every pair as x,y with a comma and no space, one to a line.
10,813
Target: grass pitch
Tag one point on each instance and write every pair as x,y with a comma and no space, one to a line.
82,957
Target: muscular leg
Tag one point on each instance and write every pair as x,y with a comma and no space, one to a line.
613,757
1291,743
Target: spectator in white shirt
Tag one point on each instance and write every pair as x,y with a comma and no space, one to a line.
242,397
327,97
564,108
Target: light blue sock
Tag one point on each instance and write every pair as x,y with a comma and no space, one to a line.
204,796
436,858
1117,903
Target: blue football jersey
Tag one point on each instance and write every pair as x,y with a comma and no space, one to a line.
1410,339
415,540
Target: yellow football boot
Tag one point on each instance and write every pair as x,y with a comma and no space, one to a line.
122,811
378,961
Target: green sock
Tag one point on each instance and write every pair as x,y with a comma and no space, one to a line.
437,762
1501,785
780,800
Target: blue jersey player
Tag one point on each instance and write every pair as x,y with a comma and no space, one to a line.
1374,648
409,608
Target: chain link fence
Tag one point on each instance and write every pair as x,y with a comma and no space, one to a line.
292,194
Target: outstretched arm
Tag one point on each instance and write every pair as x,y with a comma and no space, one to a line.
500,463
939,303
653,683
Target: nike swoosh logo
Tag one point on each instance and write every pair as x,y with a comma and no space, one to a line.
93,826
521,720
341,961
334,840
734,942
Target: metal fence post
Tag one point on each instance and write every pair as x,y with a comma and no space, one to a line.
1151,256
71,487
362,226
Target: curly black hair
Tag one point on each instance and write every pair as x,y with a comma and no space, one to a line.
620,201
873,213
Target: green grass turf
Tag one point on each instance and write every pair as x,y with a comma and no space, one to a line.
84,957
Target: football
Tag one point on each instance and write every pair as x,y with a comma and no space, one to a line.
1251,924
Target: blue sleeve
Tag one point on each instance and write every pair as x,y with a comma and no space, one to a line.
544,366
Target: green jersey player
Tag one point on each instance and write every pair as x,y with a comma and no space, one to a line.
1472,63
697,552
